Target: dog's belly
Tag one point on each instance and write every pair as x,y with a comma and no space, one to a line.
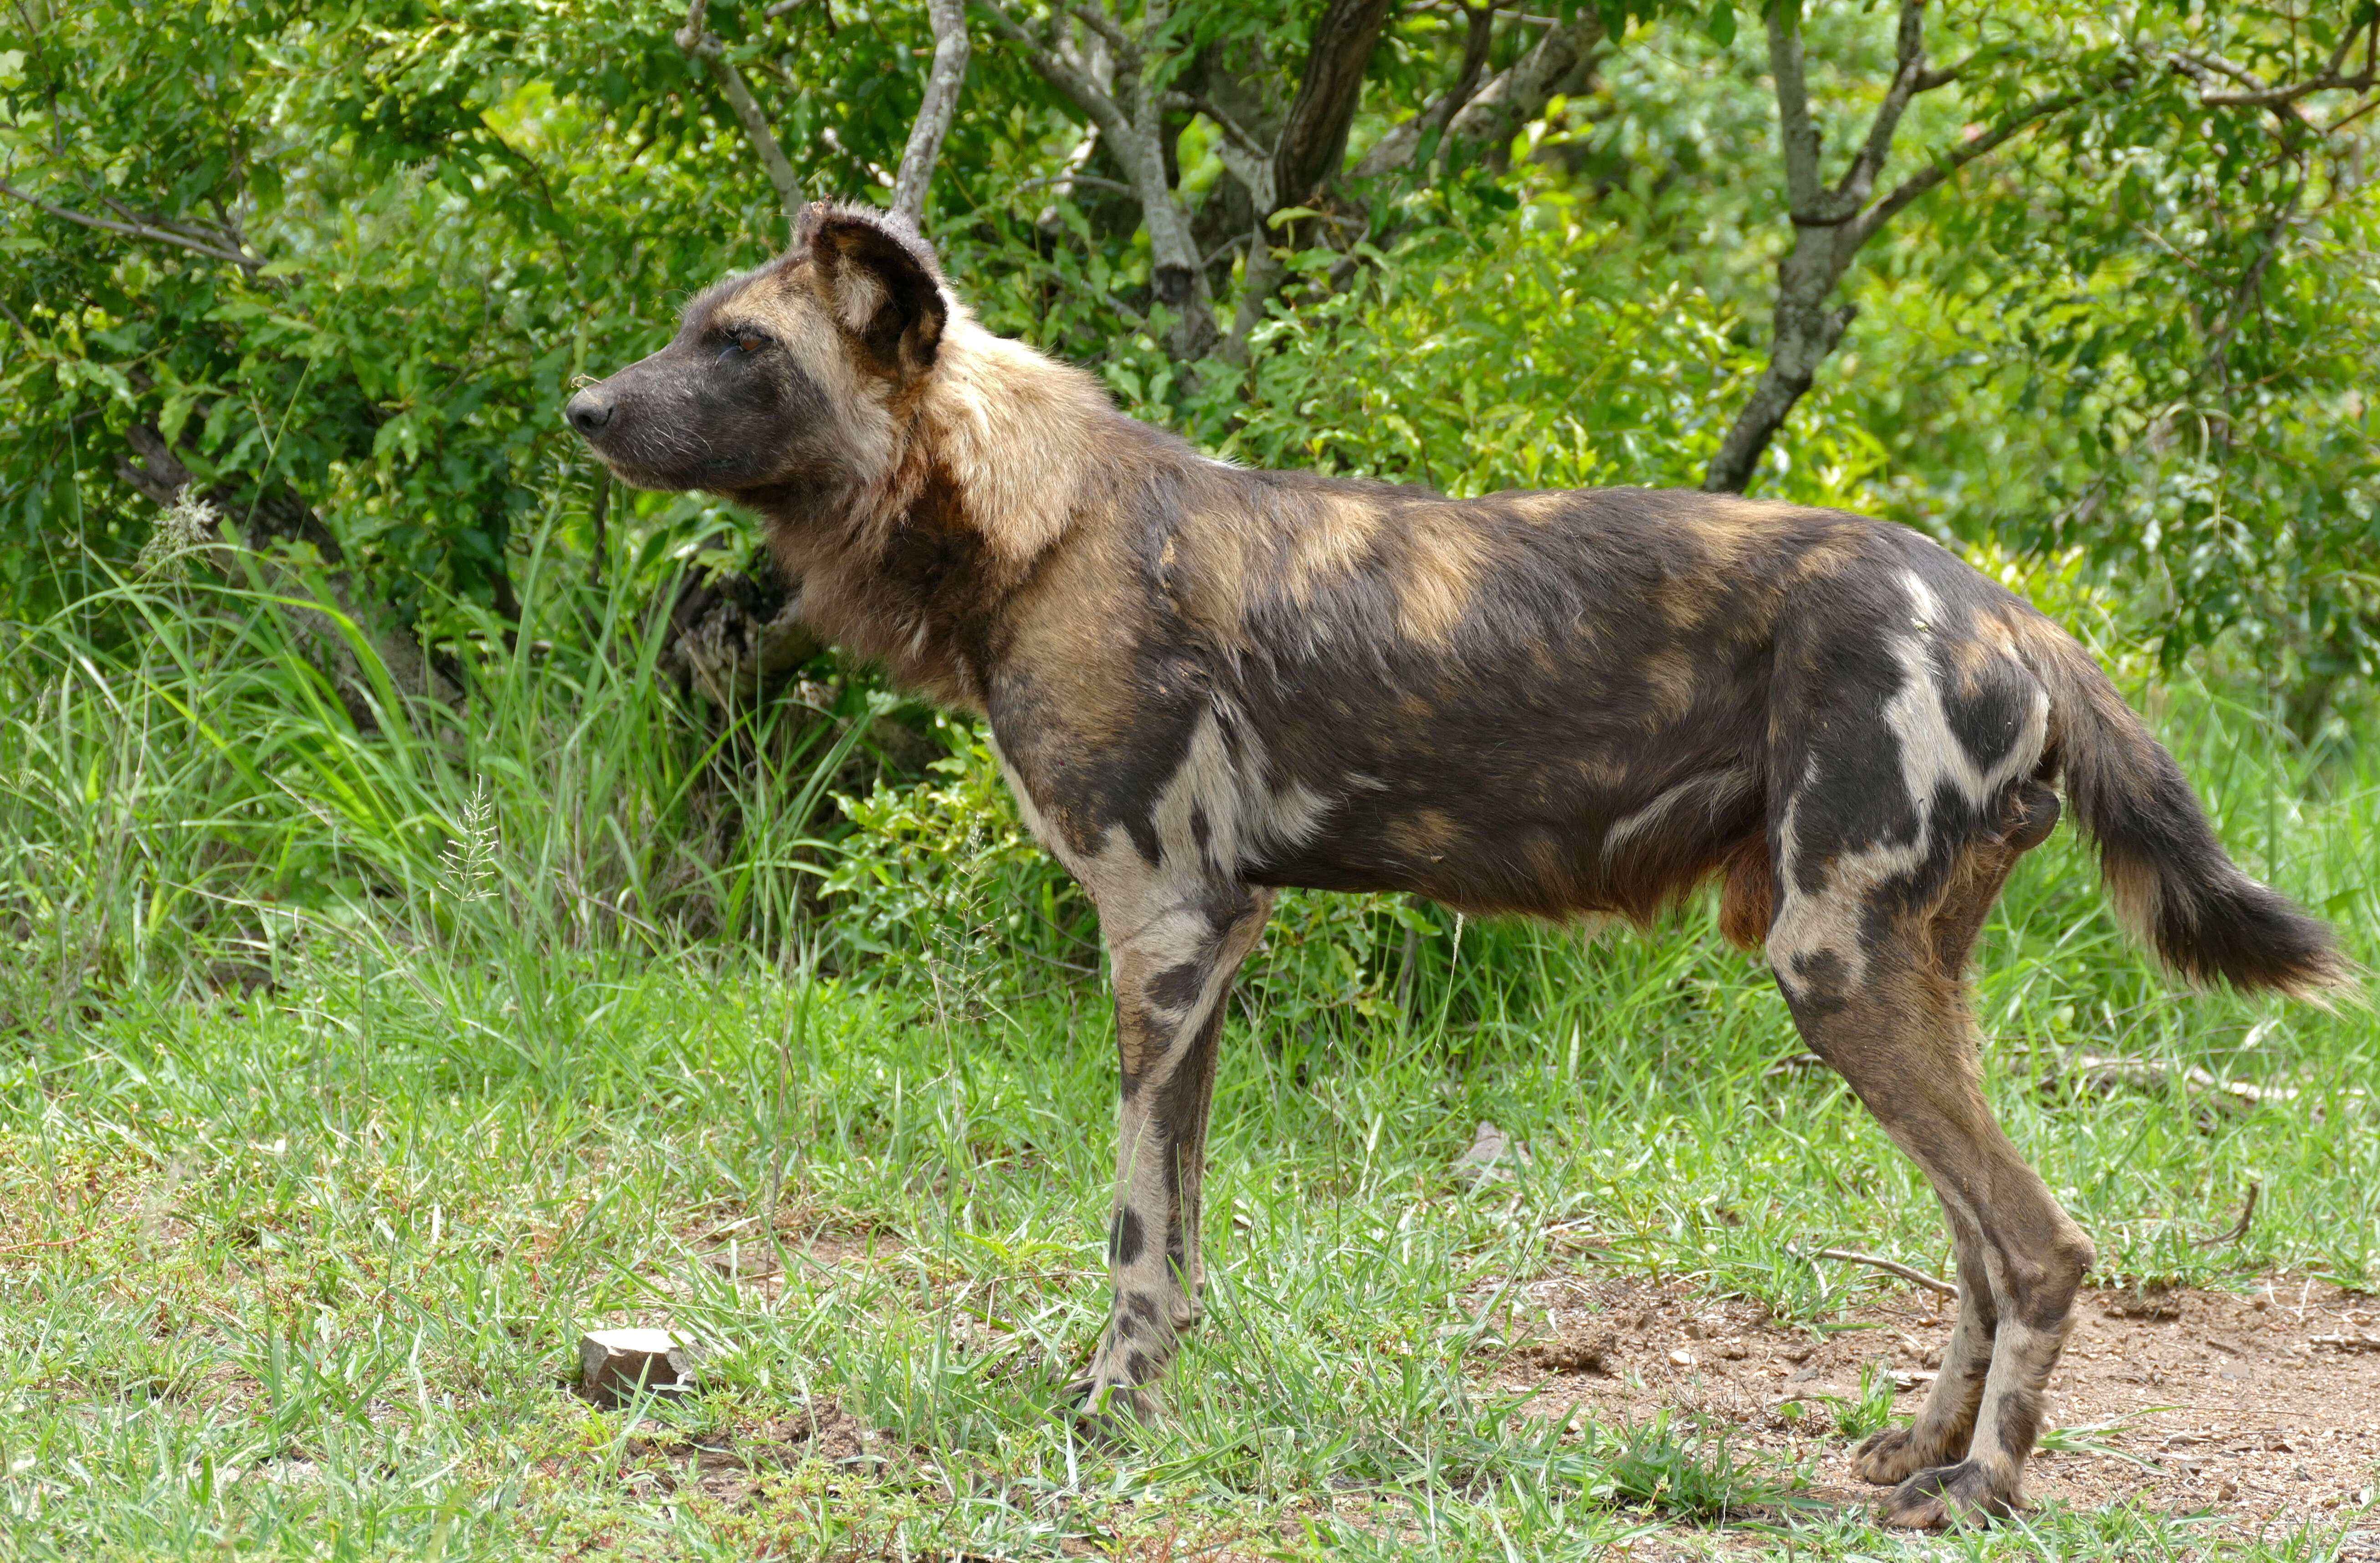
1569,835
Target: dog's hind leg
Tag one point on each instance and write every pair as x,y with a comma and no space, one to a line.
1173,962
1875,986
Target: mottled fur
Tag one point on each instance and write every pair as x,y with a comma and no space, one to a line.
1206,682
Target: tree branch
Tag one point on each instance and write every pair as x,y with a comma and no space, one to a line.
1512,97
1130,118
144,229
1796,134
1314,139
1909,76
940,107
1478,34
2277,97
1831,225
2200,64
704,45
1234,135
1958,157
1127,53
1097,104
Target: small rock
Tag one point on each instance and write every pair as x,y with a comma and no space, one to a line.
1683,1358
1492,1156
613,1363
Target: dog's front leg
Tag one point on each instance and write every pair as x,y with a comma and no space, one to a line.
1173,956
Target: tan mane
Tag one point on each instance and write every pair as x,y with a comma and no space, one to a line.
1015,431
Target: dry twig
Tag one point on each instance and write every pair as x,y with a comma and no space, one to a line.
1890,1267
2239,1227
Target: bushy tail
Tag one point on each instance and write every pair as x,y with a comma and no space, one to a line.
2167,875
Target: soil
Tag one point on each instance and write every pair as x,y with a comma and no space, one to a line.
2258,1409
727,1466
2248,1407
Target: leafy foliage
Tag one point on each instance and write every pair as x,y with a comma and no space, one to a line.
355,256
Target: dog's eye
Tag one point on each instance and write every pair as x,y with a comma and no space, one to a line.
749,341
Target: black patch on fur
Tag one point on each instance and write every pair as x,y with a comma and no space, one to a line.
2020,1420
2030,815
1124,1238
1818,975
1177,987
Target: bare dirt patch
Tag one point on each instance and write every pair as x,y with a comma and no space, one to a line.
2263,1408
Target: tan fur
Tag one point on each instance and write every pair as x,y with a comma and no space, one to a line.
1207,684
1445,556
1337,534
1010,428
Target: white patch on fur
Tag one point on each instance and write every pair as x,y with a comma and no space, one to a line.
1931,755
1711,794
857,295
1246,815
1930,752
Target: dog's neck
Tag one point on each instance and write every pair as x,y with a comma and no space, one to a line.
910,565
1014,431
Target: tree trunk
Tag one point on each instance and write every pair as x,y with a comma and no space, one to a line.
1312,147
1803,333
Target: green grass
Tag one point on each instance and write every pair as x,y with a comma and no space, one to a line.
293,1271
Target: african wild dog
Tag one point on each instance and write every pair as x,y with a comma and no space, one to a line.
1205,683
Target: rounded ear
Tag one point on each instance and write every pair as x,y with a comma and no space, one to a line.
879,282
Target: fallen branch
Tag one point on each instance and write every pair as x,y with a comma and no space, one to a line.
2239,1227
2347,1342
1890,1267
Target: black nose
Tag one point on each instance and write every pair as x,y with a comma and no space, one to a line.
589,411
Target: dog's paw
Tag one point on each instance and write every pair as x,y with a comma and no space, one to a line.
1106,1411
1893,1455
1945,1496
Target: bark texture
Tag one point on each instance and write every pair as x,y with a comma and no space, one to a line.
1311,148
943,81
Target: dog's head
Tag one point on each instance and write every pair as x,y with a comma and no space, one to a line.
792,377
